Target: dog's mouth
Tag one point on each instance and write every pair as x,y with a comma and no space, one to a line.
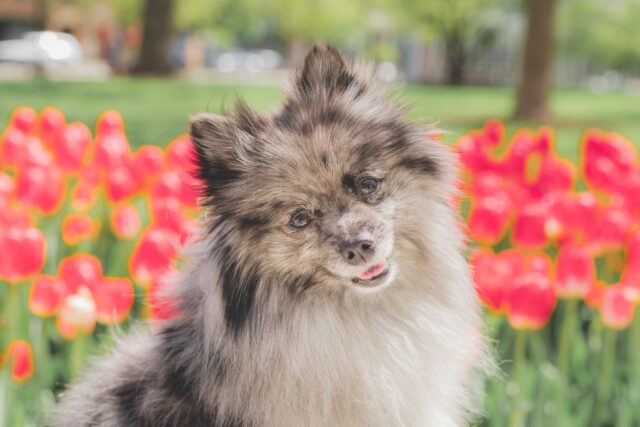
373,275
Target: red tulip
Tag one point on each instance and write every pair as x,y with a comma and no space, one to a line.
632,269
594,295
489,217
152,256
21,357
617,307
46,295
182,153
7,187
612,228
608,159
162,305
147,161
80,270
24,119
77,314
78,228
12,217
121,183
41,188
125,221
23,252
114,299
575,271
72,146
12,147
112,150
52,123
493,275
531,301
494,131
109,122
529,228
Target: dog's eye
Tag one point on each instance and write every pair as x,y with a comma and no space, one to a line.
300,219
369,186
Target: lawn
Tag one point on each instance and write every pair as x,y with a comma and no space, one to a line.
157,110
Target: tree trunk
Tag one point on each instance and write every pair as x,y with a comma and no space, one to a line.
536,74
156,39
455,56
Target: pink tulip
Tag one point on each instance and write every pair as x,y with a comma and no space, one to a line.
617,307
575,271
125,221
489,217
23,252
531,301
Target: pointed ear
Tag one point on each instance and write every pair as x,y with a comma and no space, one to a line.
223,144
324,74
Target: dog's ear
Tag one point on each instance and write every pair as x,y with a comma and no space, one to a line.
324,74
223,145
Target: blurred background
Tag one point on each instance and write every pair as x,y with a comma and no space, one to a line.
463,59
540,99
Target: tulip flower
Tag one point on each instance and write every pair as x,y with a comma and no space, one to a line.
40,188
12,147
109,122
147,161
153,255
489,217
46,295
114,298
182,153
23,252
493,275
531,301
529,230
617,307
575,271
125,221
121,183
594,295
77,315
112,150
52,123
80,270
78,228
162,305
24,119
71,148
20,355
7,187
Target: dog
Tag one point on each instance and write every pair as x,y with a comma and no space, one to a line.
328,286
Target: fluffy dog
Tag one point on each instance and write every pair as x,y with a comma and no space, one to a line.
328,286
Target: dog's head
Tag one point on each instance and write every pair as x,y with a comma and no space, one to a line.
317,195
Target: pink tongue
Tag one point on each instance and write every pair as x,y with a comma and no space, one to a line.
372,272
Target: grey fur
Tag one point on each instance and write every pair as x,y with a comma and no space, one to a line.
275,330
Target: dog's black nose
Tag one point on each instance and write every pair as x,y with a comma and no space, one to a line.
358,251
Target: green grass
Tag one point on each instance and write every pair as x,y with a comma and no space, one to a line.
157,110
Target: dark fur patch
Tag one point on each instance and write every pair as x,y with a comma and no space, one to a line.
252,221
349,182
424,165
239,287
127,396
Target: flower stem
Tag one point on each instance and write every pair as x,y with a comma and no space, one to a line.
608,359
519,356
568,327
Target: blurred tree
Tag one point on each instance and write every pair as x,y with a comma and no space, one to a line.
455,22
600,35
156,38
300,23
535,77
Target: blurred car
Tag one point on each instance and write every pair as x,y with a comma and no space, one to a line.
40,48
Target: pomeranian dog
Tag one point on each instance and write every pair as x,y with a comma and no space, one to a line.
328,286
